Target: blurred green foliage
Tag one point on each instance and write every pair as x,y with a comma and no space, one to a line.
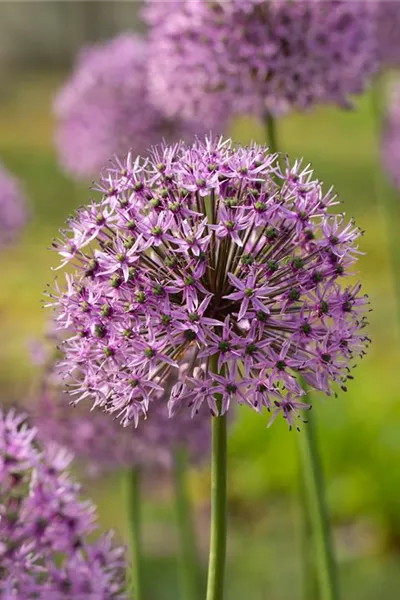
359,432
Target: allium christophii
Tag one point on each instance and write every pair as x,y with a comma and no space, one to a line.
220,254
104,110
257,55
387,23
103,445
390,143
13,209
45,549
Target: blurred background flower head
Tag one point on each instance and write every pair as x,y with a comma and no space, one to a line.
390,144
45,527
103,110
13,207
258,56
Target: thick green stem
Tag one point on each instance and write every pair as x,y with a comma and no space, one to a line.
308,571
318,513
187,547
134,512
270,131
386,200
218,531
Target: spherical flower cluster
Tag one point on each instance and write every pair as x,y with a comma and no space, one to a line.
387,23
258,56
223,257
45,552
104,110
390,146
103,445
13,211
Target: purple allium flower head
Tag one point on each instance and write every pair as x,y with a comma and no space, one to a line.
102,444
104,110
13,209
390,143
258,56
223,254
387,23
45,552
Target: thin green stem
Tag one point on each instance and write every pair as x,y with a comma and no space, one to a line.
189,575
270,131
134,512
317,512
308,571
386,200
218,530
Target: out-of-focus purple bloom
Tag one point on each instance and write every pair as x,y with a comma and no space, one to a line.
103,110
102,444
264,302
257,56
45,550
390,145
13,208
387,24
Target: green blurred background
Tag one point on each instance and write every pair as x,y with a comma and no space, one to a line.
359,432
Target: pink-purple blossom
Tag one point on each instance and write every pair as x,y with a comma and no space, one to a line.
387,28
13,207
103,109
269,303
46,546
252,56
390,142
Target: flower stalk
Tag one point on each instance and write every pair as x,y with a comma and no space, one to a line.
134,512
270,131
308,570
315,504
218,530
187,547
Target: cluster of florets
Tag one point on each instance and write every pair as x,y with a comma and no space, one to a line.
13,209
387,28
45,552
220,257
104,110
102,444
258,56
390,145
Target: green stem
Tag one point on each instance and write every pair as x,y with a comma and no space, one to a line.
218,531
134,512
385,198
309,575
317,512
270,130
187,546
